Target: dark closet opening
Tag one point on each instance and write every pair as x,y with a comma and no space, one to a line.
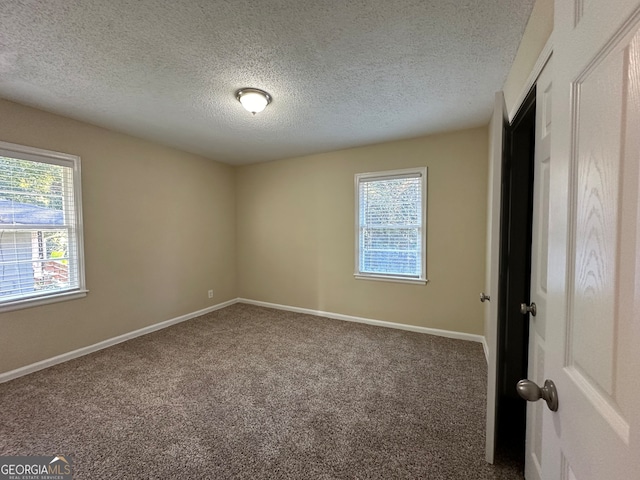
515,279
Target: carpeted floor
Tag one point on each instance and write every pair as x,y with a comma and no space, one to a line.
253,393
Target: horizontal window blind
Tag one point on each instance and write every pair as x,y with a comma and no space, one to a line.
38,227
390,225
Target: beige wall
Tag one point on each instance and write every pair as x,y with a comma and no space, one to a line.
535,37
296,232
162,227
159,232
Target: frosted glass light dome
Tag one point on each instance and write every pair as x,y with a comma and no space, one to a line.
253,99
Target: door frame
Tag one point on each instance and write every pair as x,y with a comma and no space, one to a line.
493,237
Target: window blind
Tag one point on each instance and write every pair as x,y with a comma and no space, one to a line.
38,227
390,226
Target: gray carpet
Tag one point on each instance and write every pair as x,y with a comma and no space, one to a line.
254,393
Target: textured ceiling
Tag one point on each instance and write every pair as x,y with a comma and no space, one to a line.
342,73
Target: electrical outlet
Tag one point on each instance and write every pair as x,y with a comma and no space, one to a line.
210,293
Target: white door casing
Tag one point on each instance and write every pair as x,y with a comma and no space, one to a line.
593,282
496,147
540,230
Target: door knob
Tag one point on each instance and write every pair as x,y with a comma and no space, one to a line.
532,309
484,296
532,393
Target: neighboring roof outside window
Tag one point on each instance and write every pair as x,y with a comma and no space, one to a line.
12,213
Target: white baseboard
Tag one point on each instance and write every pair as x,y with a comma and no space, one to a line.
380,323
485,347
34,367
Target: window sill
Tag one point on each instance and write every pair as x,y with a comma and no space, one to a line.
37,301
385,278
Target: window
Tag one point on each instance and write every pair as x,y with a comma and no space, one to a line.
391,225
41,257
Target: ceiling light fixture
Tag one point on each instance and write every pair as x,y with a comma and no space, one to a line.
253,99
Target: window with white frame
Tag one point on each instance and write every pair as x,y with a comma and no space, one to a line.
391,225
41,251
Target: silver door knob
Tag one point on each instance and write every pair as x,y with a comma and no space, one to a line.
484,296
532,393
532,309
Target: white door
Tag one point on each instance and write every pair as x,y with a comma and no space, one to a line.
593,282
496,147
540,231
